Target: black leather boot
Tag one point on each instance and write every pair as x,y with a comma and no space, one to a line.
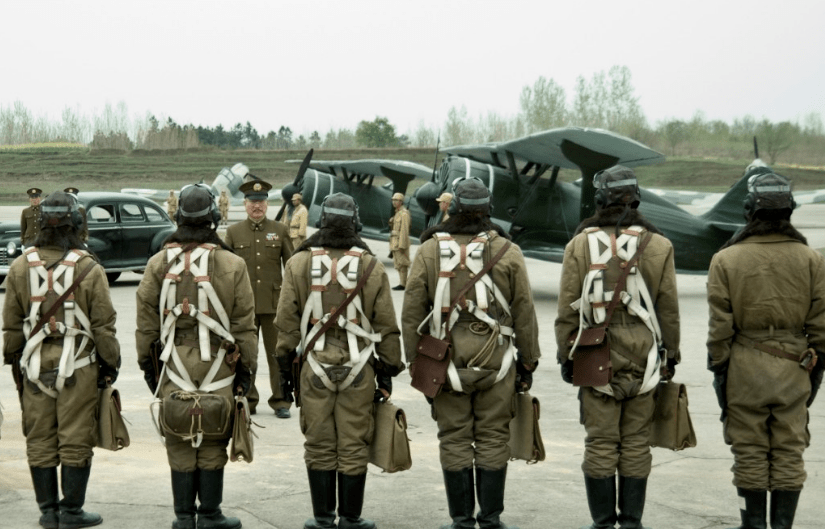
756,508
322,493
184,492
490,492
601,498
783,508
73,481
45,491
631,502
461,498
350,502
210,493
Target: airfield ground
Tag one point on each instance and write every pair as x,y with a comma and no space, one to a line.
687,490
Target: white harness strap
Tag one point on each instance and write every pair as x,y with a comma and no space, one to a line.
325,270
592,306
451,256
76,323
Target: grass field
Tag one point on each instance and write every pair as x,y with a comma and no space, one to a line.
56,166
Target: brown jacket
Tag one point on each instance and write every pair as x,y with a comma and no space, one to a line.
509,275
29,225
375,297
400,230
265,250
92,297
627,333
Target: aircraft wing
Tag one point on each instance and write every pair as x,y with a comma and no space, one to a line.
377,167
545,148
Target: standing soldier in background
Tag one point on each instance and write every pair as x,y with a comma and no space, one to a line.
298,221
336,304
400,239
265,246
62,347
617,415
171,204
30,219
194,317
766,349
223,206
444,205
84,231
494,347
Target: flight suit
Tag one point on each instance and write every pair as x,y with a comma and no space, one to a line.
223,206
266,247
63,430
400,243
29,225
768,289
229,278
474,427
338,426
618,426
298,225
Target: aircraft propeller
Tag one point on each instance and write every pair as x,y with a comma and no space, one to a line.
296,185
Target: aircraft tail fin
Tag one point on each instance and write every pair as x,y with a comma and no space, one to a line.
728,211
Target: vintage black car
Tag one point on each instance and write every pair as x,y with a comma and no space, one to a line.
124,232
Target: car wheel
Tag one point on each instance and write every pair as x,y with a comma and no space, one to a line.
112,276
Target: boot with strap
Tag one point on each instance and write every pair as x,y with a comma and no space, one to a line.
45,491
756,508
490,492
350,502
461,498
74,480
184,493
210,493
322,493
632,493
783,508
601,498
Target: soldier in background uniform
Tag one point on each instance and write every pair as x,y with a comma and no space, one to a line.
444,205
30,219
495,348
617,416
84,231
298,221
400,239
338,378
766,348
60,380
212,357
265,246
171,204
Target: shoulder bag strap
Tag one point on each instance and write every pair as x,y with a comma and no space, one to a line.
620,284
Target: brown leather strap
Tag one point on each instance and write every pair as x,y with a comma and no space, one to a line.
188,248
747,342
57,304
340,310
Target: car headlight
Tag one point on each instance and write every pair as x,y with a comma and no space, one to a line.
11,248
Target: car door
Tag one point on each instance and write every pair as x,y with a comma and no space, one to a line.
137,233
104,233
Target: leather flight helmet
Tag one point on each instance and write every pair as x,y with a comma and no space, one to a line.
616,186
196,205
339,210
60,209
469,195
768,191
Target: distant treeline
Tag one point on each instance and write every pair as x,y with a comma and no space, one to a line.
607,100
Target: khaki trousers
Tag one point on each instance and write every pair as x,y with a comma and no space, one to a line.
210,455
265,324
401,262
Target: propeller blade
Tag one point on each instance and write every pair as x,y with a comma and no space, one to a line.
303,169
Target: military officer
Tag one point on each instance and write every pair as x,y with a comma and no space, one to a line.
444,205
338,378
766,348
617,416
212,354
495,348
400,239
298,221
84,232
223,206
60,365
171,204
30,219
265,246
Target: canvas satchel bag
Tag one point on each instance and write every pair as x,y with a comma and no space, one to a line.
192,415
242,448
671,427
112,432
431,365
390,447
525,436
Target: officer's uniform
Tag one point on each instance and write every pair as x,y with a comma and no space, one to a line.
223,206
266,247
298,222
84,230
171,204
400,241
30,219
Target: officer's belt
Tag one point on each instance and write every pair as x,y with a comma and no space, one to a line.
747,342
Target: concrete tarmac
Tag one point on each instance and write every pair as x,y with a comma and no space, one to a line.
690,489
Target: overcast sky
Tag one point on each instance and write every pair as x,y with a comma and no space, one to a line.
315,65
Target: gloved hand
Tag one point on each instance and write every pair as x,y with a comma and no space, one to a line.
669,369
390,255
524,376
107,374
567,371
149,374
384,382
243,379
